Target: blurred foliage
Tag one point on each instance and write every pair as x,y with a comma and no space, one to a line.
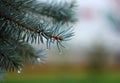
97,60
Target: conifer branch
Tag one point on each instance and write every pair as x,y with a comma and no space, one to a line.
9,63
18,22
63,12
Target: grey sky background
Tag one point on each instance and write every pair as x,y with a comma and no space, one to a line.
92,27
96,26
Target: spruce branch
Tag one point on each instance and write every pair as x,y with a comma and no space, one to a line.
19,23
23,22
40,32
8,62
60,12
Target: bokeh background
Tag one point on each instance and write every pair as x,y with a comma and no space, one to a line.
91,56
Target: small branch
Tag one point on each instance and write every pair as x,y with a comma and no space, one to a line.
44,12
9,59
28,27
56,37
19,23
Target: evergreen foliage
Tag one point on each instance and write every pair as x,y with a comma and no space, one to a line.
23,22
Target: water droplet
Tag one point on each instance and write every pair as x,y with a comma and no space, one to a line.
19,71
38,59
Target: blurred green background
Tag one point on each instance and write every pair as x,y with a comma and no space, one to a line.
63,74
